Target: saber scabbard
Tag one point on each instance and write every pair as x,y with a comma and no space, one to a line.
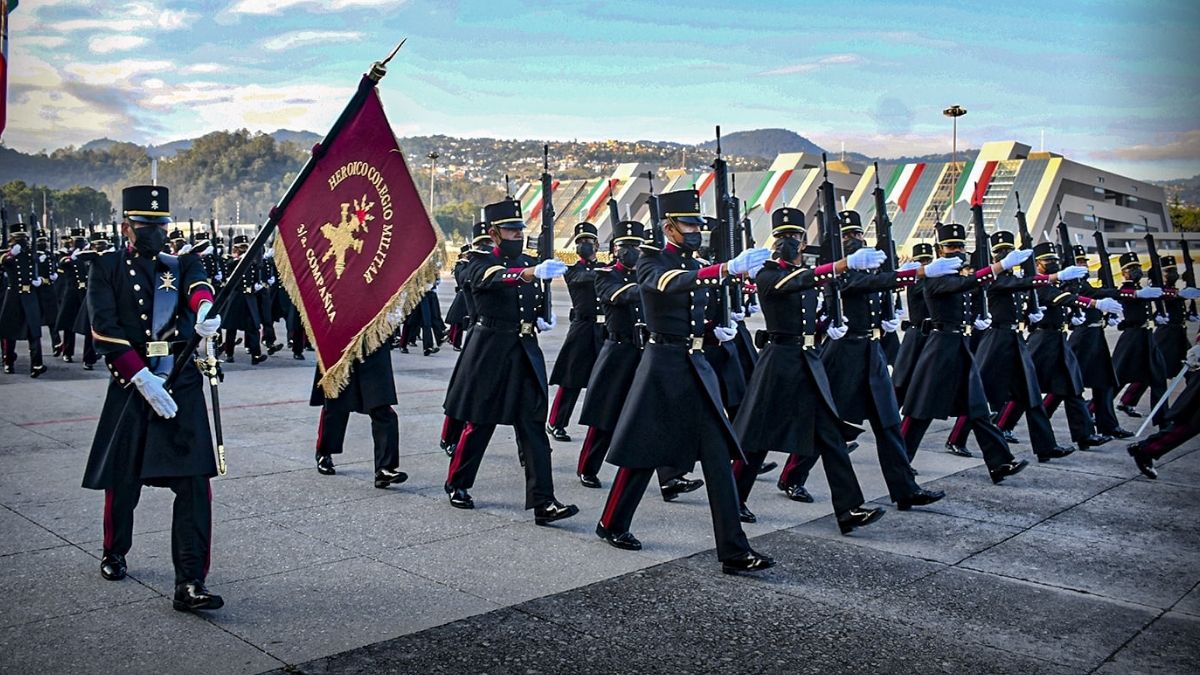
210,367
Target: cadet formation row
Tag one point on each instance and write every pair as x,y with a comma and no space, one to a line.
668,382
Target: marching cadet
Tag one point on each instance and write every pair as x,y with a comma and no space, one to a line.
100,245
209,259
46,291
458,315
915,324
72,291
21,315
178,242
243,309
1091,351
145,306
720,342
500,377
268,309
673,414
859,386
1170,335
480,250
585,336
1136,357
1183,421
946,380
371,391
1058,374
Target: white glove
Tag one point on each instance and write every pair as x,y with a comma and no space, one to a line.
752,309
150,386
258,286
1193,358
187,248
1077,320
206,327
737,316
37,282
269,253
207,250
901,314
74,255
549,269
219,276
1189,293
1110,306
890,326
1112,322
910,265
1072,273
982,324
544,327
1015,258
1019,272
725,333
271,281
1161,320
865,259
1037,315
53,276
1149,293
836,333
16,249
748,261
943,267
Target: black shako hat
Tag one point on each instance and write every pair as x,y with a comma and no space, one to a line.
951,233
629,231
787,220
1045,251
585,229
682,205
1130,259
850,221
504,214
922,250
146,204
479,232
1002,240
1079,252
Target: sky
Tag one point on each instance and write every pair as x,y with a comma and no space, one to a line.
1110,83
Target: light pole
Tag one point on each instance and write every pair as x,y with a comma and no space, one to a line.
954,112
433,157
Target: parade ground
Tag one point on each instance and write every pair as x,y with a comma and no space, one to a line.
1075,566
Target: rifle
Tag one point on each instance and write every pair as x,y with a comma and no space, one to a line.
885,242
748,236
1029,267
614,217
1105,272
33,249
981,257
656,229
191,230
3,224
116,233
545,246
1189,272
832,247
1156,273
725,247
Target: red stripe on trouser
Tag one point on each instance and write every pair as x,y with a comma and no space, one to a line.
458,452
320,428
208,549
1132,393
1005,421
1049,404
613,497
958,435
1091,406
108,526
445,428
554,408
1163,442
586,451
904,425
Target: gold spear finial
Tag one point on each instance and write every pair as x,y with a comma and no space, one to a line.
379,68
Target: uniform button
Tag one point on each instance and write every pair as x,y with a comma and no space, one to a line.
147,331
141,301
145,318
132,273
137,287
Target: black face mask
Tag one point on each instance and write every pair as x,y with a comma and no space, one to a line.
149,240
692,241
80,243
1135,275
1172,277
586,250
852,245
787,249
628,256
960,255
511,248
1051,267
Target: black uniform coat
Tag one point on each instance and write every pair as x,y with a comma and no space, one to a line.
1186,408
21,315
500,376
1004,359
789,384
1136,356
243,312
72,295
945,381
1057,368
371,385
612,376
141,446
457,312
1090,344
1171,337
674,404
856,364
915,332
47,293
585,336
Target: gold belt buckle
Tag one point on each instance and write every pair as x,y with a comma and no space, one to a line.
26,288
697,344
158,348
808,341
600,318
526,328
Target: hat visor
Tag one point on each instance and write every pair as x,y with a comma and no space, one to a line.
512,225
153,220
690,220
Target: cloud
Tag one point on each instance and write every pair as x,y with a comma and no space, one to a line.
815,64
118,74
254,107
44,41
133,17
115,43
205,68
261,7
1185,145
305,37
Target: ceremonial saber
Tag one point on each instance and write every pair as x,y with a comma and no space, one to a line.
1163,401
211,369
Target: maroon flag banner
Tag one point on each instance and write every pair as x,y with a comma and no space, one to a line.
355,247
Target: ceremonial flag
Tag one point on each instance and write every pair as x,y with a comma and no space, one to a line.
904,180
6,6
356,249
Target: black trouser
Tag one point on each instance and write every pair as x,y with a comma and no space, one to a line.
1041,434
35,350
385,432
252,342
987,435
564,405
843,484
595,449
1079,420
532,447
1135,390
89,349
68,343
268,332
1103,412
191,523
451,431
630,484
